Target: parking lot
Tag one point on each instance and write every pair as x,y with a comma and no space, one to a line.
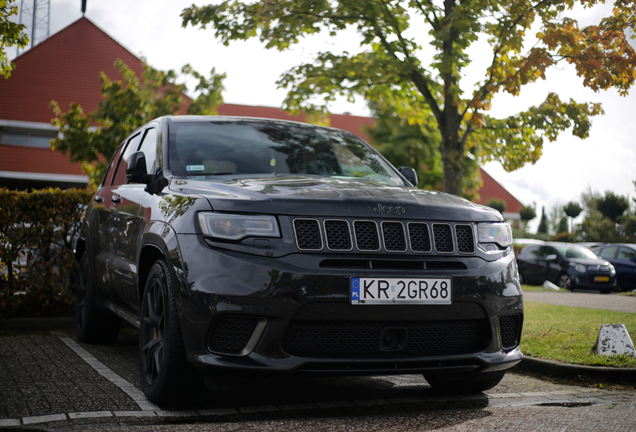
48,381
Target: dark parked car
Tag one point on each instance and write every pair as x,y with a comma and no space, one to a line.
623,258
248,245
568,265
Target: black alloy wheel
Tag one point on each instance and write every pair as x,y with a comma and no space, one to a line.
92,324
565,282
164,370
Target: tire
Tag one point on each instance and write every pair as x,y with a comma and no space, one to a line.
164,370
565,282
464,383
92,324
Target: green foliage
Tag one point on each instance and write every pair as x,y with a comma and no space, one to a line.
11,34
417,146
543,223
497,204
599,226
568,334
563,226
37,261
389,71
572,209
612,206
527,213
127,105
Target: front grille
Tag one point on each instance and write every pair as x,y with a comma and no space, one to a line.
308,234
366,236
318,338
341,235
443,238
509,329
230,335
419,237
337,233
393,234
465,240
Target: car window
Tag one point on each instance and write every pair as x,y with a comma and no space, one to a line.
530,252
252,147
608,252
626,253
149,147
120,172
544,251
108,178
574,251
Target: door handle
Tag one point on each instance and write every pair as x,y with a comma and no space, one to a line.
116,199
98,199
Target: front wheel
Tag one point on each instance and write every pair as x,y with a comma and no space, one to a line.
464,383
92,324
165,373
565,282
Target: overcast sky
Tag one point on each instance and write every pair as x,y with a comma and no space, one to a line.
604,161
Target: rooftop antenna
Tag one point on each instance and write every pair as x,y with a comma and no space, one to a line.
35,16
83,7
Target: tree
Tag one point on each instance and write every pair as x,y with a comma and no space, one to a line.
543,223
572,210
11,34
612,206
127,105
527,213
417,146
391,70
497,204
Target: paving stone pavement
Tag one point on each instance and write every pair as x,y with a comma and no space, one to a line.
46,382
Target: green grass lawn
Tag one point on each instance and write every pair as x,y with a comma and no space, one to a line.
568,334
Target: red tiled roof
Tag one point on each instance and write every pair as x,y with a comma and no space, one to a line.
65,68
36,160
492,189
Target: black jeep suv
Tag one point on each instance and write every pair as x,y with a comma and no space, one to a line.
253,245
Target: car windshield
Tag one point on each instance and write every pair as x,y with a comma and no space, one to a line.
570,251
252,147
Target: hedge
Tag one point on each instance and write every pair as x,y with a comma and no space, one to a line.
38,270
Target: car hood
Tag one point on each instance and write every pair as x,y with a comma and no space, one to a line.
324,196
588,261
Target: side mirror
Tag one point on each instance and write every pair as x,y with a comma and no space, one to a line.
409,174
136,169
551,257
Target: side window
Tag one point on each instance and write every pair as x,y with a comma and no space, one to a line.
530,252
544,251
108,177
120,172
609,252
149,147
626,253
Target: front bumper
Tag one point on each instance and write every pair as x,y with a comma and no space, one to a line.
279,294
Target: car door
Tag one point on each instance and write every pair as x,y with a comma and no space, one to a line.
528,265
625,264
100,235
123,210
545,264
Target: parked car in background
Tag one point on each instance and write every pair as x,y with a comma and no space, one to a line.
242,245
623,258
568,265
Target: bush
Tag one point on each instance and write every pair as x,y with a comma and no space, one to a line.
37,262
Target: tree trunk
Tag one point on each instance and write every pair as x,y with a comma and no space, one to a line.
452,153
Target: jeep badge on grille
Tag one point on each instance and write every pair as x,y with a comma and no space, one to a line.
398,210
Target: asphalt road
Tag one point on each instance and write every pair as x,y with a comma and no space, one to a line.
48,381
611,302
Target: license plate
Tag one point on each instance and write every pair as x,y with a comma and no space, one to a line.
601,278
369,291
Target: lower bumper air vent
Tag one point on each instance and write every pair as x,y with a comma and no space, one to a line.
234,335
509,329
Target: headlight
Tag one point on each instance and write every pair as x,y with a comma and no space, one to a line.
236,227
499,233
612,269
580,268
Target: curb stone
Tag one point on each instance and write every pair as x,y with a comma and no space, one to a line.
568,370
